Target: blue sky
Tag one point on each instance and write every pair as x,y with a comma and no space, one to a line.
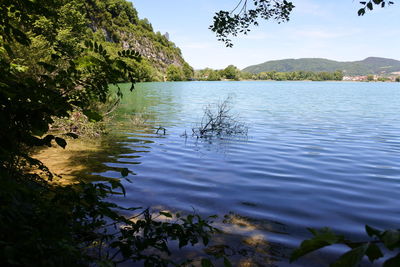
318,28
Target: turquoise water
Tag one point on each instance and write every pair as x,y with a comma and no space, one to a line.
316,154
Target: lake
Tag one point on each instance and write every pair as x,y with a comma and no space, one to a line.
316,154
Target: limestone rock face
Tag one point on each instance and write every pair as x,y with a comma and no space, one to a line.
118,22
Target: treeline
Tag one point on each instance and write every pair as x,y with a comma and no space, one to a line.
229,73
177,73
233,73
300,76
375,78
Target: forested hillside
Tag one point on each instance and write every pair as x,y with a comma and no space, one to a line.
58,59
371,65
116,24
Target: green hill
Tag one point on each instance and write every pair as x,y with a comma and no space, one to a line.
371,65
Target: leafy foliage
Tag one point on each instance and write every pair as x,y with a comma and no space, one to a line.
300,76
231,72
69,75
369,5
53,65
242,17
175,73
116,25
372,249
248,13
74,226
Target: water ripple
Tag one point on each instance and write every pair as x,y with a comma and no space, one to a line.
317,154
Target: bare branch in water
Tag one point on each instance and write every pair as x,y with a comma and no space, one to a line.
218,121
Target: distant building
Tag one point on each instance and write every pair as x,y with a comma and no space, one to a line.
363,78
359,78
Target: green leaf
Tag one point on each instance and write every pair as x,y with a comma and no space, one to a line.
48,67
117,184
373,252
61,142
227,263
105,263
55,56
125,172
372,231
166,214
205,240
92,115
351,258
392,262
206,263
8,49
74,136
47,140
322,238
391,239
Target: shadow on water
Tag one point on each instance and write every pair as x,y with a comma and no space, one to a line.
85,159
82,158
249,239
243,240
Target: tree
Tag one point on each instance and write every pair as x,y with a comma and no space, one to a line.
188,71
246,75
214,75
52,64
247,13
338,75
175,73
370,78
231,72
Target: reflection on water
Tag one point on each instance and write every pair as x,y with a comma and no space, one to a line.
317,154
81,158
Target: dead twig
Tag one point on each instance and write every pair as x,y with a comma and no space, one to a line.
218,121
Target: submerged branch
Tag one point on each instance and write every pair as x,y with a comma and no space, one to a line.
218,121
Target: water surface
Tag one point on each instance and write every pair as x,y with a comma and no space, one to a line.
317,154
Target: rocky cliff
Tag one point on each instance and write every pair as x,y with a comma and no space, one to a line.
117,22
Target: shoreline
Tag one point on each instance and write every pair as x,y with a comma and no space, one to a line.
346,81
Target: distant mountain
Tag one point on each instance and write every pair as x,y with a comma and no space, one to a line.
371,65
